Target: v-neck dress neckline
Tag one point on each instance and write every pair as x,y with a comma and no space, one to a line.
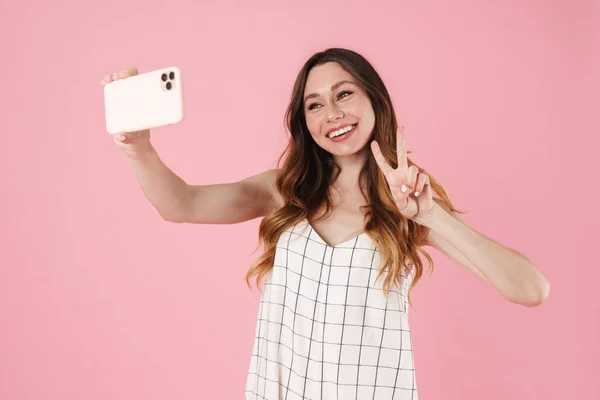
341,244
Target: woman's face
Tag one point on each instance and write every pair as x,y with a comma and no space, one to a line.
335,104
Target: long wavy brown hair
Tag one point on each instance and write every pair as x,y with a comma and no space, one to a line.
307,172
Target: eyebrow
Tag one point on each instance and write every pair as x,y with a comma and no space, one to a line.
334,87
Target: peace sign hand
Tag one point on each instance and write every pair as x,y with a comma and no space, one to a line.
416,200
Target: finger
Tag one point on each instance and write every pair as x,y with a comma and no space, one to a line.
396,193
407,206
400,198
401,149
115,76
422,184
122,137
128,72
380,160
411,177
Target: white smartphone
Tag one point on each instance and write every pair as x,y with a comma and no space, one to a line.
149,100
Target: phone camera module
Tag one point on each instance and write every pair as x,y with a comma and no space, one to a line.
164,77
169,85
172,75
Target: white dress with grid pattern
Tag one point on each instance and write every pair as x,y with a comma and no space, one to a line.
325,330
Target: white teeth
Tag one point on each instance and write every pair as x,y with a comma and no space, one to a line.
340,131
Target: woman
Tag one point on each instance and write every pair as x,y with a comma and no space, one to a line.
345,218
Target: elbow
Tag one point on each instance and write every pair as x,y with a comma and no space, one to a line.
179,213
543,292
535,296
178,219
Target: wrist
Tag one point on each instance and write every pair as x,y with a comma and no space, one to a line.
432,217
148,152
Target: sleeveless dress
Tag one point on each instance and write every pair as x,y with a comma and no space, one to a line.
325,330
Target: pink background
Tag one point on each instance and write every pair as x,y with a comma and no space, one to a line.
101,299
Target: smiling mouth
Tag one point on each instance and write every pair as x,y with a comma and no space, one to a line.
342,131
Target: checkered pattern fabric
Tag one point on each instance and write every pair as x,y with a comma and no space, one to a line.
325,330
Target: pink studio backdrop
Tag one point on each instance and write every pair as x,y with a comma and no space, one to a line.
101,299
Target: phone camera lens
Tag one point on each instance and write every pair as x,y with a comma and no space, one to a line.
164,77
168,85
172,75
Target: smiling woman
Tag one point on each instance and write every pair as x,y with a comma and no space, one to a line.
329,327
336,113
346,217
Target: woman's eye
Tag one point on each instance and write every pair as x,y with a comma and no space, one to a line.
342,95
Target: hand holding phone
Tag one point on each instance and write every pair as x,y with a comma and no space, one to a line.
131,131
136,143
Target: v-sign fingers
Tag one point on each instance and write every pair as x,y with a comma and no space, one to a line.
401,149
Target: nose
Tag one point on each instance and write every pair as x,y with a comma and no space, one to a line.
334,114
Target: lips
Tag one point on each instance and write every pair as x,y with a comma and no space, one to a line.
341,127
344,136
337,128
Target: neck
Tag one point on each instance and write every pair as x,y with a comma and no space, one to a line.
350,167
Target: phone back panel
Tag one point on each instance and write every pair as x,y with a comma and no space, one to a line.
143,101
